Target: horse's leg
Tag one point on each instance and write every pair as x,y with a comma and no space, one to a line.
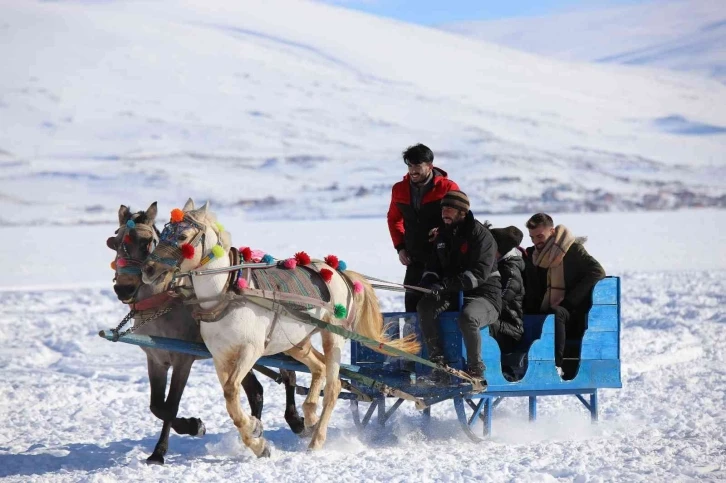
296,423
181,367
253,390
157,382
332,346
230,372
314,361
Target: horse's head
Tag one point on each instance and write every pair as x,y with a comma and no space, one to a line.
187,241
135,238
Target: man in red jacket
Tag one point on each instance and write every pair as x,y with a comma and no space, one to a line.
415,210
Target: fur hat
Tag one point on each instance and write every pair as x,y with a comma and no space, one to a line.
507,238
456,199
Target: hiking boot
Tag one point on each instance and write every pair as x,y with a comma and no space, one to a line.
476,371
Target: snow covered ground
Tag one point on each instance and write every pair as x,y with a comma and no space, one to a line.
75,407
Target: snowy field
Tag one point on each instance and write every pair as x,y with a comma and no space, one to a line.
75,407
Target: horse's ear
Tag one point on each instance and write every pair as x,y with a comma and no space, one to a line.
151,213
111,243
189,205
124,214
204,208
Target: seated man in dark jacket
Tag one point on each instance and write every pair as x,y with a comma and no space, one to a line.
559,278
510,265
463,259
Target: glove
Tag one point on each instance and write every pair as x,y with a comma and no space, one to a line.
435,293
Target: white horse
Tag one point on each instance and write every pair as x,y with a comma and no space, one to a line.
246,333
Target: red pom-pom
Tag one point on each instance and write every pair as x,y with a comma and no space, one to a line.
290,263
121,262
187,251
302,258
177,215
127,239
242,283
326,274
332,260
246,253
357,287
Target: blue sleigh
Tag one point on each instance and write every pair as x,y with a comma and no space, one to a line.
596,359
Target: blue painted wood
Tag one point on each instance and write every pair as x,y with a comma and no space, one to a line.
532,408
607,291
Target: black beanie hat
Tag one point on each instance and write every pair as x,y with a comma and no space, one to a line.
456,199
507,238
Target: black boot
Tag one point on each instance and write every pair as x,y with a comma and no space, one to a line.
476,370
437,377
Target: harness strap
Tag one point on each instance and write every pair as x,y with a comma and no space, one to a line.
154,301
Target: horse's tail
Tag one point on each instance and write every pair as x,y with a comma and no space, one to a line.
369,319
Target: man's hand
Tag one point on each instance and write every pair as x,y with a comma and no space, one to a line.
403,257
435,293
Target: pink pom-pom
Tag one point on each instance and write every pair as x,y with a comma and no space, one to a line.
246,253
290,263
326,274
332,260
302,258
121,263
242,283
357,287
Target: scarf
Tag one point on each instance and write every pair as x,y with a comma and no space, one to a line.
550,257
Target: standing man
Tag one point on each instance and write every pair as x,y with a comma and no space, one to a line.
464,259
414,211
559,278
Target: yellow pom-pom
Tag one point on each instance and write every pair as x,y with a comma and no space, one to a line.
177,215
217,251
220,227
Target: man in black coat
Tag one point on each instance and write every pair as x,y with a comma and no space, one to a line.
464,259
559,278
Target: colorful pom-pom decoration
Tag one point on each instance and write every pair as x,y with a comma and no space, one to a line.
326,274
268,259
340,311
289,263
246,253
127,239
187,251
177,215
357,287
121,263
342,266
131,224
332,260
113,265
217,251
302,258
242,283
220,227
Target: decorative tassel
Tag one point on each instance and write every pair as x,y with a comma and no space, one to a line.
242,283
268,258
127,239
187,251
332,260
113,265
131,224
357,287
340,311
326,274
289,263
220,227
246,253
177,215
342,266
302,258
217,251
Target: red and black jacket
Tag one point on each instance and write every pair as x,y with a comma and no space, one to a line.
410,228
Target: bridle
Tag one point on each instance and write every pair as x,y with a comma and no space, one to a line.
125,263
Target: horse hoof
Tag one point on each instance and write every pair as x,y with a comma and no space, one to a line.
297,425
201,428
257,428
266,451
155,459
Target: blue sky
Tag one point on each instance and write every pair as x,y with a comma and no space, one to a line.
433,12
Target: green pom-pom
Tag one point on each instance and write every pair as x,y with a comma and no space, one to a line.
220,227
217,251
340,311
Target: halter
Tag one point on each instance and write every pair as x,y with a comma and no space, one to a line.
128,265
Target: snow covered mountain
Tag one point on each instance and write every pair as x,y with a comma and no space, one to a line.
684,35
291,108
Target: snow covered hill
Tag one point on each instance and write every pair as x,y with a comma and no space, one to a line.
684,35
290,108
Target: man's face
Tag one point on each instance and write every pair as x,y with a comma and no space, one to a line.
419,172
451,215
540,235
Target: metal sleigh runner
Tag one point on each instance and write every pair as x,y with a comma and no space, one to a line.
251,309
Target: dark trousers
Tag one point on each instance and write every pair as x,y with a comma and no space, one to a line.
567,326
476,314
414,273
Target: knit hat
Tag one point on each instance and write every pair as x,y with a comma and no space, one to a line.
456,199
507,238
